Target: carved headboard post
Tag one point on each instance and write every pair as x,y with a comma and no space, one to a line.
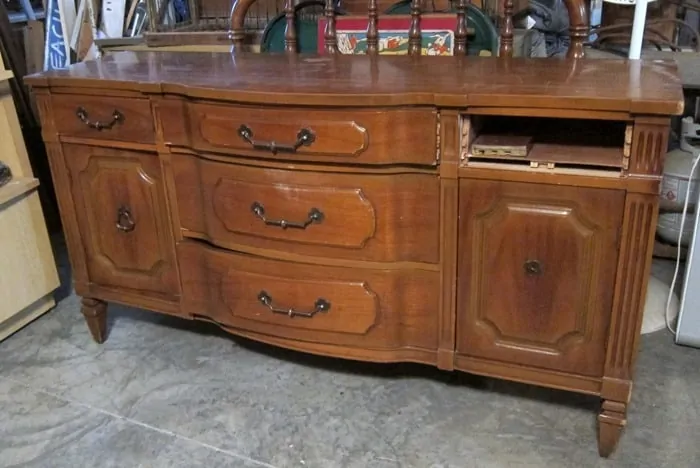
506,49
414,33
461,30
372,28
579,27
290,32
329,34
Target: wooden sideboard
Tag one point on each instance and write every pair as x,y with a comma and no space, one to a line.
333,204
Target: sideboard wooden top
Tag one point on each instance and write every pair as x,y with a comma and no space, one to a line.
637,87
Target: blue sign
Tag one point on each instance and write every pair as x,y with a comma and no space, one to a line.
57,52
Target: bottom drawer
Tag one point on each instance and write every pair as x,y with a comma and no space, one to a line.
321,304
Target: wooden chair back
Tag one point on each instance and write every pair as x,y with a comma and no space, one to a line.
578,27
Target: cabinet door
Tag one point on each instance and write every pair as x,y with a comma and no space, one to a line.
536,273
123,219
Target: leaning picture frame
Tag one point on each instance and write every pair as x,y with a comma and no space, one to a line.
437,34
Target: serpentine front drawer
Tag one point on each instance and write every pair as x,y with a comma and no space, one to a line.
312,303
361,217
343,136
103,117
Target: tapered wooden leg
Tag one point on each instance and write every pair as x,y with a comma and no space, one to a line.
95,313
611,422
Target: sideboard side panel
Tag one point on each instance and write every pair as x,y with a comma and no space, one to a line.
633,266
648,148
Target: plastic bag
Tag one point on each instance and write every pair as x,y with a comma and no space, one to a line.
551,17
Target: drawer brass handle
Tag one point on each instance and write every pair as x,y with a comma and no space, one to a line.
321,305
97,125
125,222
305,137
533,267
315,216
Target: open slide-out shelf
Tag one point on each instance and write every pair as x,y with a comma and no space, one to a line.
544,142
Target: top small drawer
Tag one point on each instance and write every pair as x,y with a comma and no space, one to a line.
324,135
103,117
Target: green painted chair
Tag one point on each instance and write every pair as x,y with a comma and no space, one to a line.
485,34
306,21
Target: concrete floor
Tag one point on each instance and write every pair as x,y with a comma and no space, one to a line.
168,393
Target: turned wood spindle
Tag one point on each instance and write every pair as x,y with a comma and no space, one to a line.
579,27
329,34
290,33
461,30
506,49
414,33
372,28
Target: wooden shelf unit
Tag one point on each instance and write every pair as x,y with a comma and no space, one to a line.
28,268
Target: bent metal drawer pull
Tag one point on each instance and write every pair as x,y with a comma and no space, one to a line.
305,137
97,125
321,305
125,222
315,216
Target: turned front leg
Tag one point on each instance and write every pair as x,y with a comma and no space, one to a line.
95,313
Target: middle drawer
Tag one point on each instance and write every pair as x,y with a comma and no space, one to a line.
383,218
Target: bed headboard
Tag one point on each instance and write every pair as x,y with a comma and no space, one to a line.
578,27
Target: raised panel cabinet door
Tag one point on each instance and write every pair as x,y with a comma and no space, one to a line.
123,219
536,273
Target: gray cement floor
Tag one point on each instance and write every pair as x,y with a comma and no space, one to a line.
168,393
